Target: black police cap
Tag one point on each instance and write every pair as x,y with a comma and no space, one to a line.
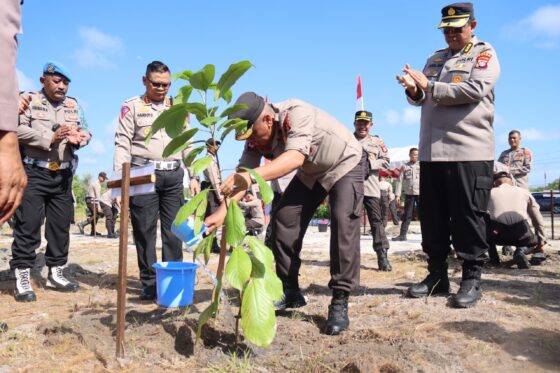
255,105
363,115
456,15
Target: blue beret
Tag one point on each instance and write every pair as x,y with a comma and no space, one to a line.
52,67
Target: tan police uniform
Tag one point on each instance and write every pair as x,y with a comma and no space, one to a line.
10,16
92,202
49,173
333,166
457,149
519,163
378,158
110,212
135,120
409,182
254,215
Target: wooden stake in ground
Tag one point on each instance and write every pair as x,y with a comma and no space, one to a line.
124,183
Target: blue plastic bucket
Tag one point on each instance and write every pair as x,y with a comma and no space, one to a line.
185,232
175,283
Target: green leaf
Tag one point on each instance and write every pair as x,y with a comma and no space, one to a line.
209,121
208,248
233,73
258,319
235,225
187,210
183,94
192,155
238,268
260,251
258,269
200,212
198,109
200,165
228,123
175,116
273,285
179,143
266,190
233,109
203,78
228,96
185,75
240,124
210,311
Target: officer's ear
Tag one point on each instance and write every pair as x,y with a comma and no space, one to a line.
42,79
145,81
268,119
473,24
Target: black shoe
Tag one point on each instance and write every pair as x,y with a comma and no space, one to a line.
436,282
399,238
3,327
57,281
520,258
148,293
537,259
292,298
383,261
337,322
469,293
81,227
112,235
24,292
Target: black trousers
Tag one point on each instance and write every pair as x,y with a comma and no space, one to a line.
295,210
110,217
384,208
49,195
394,213
373,211
273,208
91,206
409,202
453,206
144,211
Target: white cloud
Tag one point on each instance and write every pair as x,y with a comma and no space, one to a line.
25,83
97,147
98,48
408,116
542,27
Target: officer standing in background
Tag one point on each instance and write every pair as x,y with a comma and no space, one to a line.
388,202
110,212
253,211
49,132
93,196
409,181
510,207
518,159
456,93
12,176
213,180
330,162
135,120
378,158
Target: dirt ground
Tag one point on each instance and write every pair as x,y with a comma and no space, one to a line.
514,328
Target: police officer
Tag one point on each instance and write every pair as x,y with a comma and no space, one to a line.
456,93
510,207
330,162
387,188
93,197
254,215
12,176
136,117
213,180
49,131
110,211
409,181
378,157
518,159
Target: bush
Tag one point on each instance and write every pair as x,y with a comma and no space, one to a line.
322,212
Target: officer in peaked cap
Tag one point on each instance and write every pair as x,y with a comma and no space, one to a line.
378,158
50,131
330,162
456,151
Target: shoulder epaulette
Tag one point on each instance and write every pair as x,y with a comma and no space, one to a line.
132,99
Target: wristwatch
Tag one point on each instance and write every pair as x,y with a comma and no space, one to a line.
430,86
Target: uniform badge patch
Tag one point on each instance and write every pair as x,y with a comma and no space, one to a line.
124,110
439,59
146,131
482,60
457,79
145,109
69,104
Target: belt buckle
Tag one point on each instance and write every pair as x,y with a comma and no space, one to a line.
53,166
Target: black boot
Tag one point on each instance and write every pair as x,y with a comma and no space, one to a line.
383,261
338,321
292,298
537,259
469,292
81,226
3,327
436,282
494,257
520,257
399,238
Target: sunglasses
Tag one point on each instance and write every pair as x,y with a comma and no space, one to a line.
453,30
158,85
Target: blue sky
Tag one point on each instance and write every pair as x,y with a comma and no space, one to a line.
311,50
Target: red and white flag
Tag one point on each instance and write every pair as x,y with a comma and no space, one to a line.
359,97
